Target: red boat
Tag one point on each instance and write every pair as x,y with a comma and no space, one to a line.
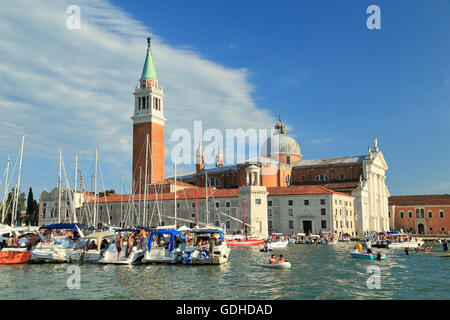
245,243
14,257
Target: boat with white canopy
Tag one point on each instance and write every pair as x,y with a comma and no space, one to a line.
92,247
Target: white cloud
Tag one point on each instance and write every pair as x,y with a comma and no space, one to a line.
74,87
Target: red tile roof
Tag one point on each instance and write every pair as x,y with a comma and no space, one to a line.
420,200
303,189
200,193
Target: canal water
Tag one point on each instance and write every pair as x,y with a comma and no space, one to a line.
318,272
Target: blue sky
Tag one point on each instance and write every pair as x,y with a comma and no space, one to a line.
336,83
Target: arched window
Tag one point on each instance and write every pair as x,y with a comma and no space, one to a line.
213,181
322,177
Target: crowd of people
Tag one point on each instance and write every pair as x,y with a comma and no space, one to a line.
27,240
274,260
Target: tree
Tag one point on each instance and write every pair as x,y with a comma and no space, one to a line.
32,209
20,206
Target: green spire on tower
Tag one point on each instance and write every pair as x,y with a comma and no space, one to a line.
149,71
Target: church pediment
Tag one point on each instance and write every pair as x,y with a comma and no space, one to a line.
379,161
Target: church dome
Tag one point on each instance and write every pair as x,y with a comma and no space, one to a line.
280,144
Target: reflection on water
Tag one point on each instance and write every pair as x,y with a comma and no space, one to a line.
318,272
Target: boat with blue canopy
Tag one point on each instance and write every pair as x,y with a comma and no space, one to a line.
60,240
165,246
206,246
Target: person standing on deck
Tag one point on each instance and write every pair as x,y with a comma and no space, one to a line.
445,245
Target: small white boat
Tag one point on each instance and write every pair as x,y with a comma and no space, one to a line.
280,265
406,244
278,244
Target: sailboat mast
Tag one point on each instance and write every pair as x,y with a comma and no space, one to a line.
5,194
121,204
144,215
175,192
206,188
13,218
76,172
95,189
196,208
59,187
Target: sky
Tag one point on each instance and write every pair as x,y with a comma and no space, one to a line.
236,64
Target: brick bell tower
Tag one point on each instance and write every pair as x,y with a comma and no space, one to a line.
148,119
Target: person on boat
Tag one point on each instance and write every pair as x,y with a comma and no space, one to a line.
142,235
129,244
358,247
445,245
272,259
119,247
103,244
369,246
281,259
15,241
212,242
419,247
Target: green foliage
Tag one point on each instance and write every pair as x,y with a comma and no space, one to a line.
9,206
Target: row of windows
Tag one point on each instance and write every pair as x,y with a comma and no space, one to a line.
291,202
323,212
421,214
323,177
347,223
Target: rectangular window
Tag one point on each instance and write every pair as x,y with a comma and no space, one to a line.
217,204
258,201
291,224
430,214
228,224
324,224
269,203
291,202
193,204
341,176
322,201
337,226
227,204
441,214
351,224
323,211
269,225
290,212
192,215
178,205
401,214
306,202
269,212
303,178
341,224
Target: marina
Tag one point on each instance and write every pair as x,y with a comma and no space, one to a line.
317,272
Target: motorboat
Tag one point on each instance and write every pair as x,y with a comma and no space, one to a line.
130,253
430,252
165,246
91,248
28,237
61,240
242,241
277,244
279,265
407,244
369,256
198,250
